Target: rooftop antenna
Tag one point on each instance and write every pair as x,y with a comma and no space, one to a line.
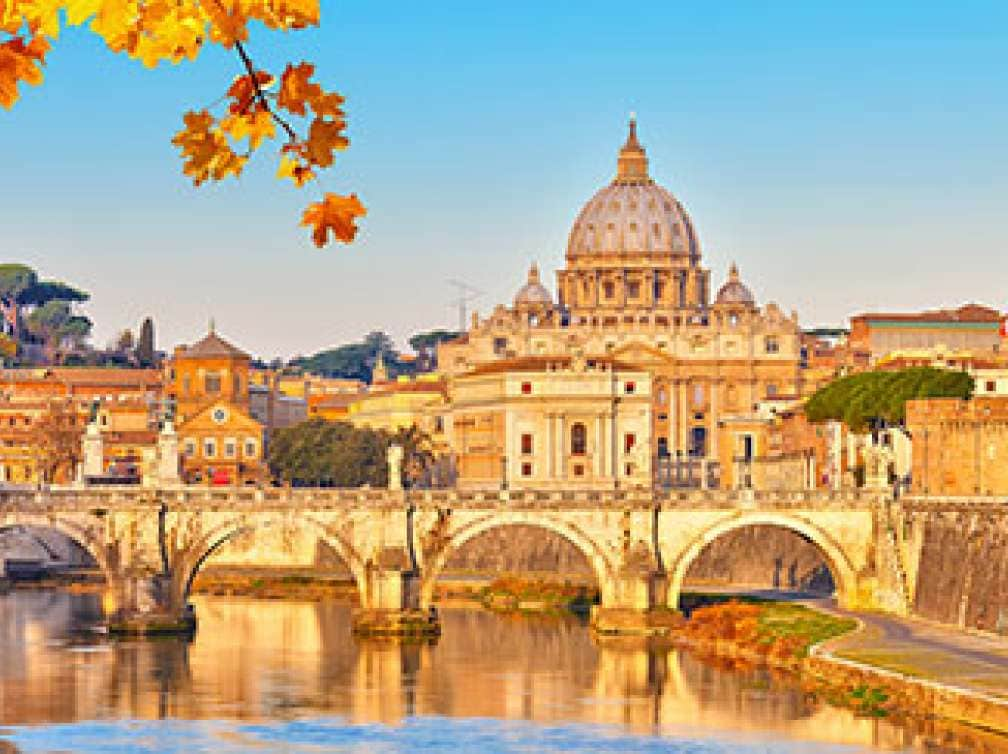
466,293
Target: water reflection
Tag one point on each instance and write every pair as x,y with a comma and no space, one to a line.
278,661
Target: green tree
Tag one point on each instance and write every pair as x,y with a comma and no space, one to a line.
317,452
353,361
861,399
333,454
145,347
54,322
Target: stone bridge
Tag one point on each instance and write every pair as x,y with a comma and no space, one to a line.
151,543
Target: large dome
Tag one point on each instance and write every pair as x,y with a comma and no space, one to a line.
633,214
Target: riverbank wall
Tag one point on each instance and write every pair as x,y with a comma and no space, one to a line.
918,697
960,559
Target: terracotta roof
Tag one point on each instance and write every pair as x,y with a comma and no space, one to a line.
542,363
966,313
212,346
131,437
335,400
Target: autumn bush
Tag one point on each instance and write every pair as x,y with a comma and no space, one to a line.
781,633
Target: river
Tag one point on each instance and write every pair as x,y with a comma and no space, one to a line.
287,676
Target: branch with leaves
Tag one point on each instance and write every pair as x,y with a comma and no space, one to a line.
213,146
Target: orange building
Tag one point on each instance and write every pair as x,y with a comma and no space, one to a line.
969,327
959,447
220,441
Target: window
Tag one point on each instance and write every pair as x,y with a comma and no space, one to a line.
526,388
629,440
991,386
662,397
500,346
212,383
663,417
633,289
771,390
526,469
628,469
250,448
772,345
526,444
663,447
189,448
579,439
439,424
630,387
230,449
578,469
659,290
210,448
609,289
698,395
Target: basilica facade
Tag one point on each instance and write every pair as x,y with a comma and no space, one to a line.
634,291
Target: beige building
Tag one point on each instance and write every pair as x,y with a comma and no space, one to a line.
634,289
545,421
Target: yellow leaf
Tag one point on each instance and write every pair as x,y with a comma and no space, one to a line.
290,168
334,214
79,11
256,126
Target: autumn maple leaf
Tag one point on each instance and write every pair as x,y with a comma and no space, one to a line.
20,62
336,214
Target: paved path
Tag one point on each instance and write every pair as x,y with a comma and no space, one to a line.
912,646
927,650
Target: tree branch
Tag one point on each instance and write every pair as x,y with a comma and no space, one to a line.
261,95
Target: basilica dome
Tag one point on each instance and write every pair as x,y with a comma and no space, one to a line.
633,214
734,292
533,293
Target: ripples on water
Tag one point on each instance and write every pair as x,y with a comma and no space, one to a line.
268,676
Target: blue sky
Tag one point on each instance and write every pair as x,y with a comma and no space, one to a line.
848,156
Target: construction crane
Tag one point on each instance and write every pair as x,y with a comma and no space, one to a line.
466,293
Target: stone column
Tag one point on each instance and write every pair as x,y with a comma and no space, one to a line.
599,446
142,602
551,452
673,413
712,420
394,457
93,452
561,448
168,456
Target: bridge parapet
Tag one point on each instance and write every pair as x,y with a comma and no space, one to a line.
201,498
950,503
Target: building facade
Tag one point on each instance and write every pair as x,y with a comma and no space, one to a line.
634,289
552,421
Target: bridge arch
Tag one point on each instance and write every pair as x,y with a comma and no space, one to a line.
85,536
187,566
601,566
840,566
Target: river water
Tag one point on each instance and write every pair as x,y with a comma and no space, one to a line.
287,676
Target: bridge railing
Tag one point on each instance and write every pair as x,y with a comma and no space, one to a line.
250,499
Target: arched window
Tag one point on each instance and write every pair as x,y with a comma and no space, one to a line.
579,439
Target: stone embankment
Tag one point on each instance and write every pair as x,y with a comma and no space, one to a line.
962,577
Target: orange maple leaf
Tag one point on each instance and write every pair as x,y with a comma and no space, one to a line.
324,138
243,91
295,88
336,214
20,61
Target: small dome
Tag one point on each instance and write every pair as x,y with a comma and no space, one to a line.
533,293
734,292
